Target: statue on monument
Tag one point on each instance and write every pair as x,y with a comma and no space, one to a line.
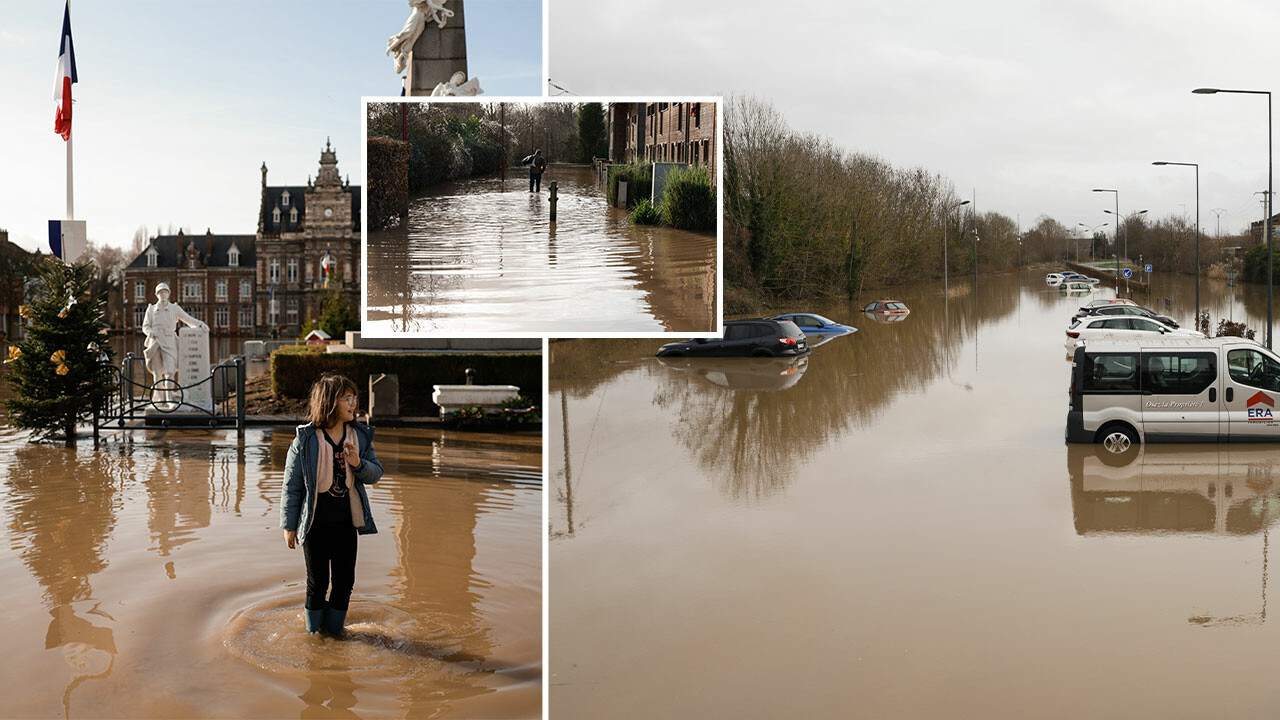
421,12
160,350
458,85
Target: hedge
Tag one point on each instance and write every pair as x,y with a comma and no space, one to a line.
295,368
388,180
639,179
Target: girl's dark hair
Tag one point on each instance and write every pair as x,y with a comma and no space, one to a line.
325,394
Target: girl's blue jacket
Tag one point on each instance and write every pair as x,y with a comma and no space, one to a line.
298,491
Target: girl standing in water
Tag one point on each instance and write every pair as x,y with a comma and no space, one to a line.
323,504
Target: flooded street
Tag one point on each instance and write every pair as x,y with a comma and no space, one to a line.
150,579
893,527
474,258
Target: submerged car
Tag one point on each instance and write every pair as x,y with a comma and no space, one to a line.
886,307
757,337
811,323
1077,287
1126,310
1079,277
1106,302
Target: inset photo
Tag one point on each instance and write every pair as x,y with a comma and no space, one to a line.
561,217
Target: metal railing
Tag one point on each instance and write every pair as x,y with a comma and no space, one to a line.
165,402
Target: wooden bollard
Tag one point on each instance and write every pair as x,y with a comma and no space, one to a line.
553,201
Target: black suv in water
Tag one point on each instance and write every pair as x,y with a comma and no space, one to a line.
757,337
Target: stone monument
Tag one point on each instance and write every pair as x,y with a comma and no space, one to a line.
161,351
431,50
193,349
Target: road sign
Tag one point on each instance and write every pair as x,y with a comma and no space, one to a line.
1148,268
1127,273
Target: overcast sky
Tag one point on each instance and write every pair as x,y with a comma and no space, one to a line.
179,103
1031,103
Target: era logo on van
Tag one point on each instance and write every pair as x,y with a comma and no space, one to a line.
1260,413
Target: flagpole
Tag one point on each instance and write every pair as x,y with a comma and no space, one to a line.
71,202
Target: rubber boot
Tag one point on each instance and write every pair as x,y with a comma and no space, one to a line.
334,620
315,620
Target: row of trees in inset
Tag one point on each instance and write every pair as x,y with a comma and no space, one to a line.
805,218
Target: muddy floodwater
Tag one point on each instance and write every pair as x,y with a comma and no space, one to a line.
476,256
894,527
149,578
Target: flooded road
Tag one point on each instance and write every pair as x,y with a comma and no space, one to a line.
474,259
150,579
894,527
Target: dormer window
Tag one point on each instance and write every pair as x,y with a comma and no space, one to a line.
151,257
192,263
284,198
275,215
293,215
233,257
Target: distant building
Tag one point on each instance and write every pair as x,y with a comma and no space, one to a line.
210,276
16,268
298,225
1257,229
664,132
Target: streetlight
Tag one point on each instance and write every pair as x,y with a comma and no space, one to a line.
946,288
1092,230
1197,167
1120,221
1117,233
1270,256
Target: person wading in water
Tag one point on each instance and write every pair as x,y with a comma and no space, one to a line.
537,165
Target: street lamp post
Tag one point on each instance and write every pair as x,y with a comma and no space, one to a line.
1197,167
946,287
1092,229
1120,221
1270,256
1117,233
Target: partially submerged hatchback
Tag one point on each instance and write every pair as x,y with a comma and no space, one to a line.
810,323
756,337
1089,328
886,307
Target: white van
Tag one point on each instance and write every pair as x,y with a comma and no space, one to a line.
1173,389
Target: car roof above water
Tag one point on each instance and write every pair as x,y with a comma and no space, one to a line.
1128,343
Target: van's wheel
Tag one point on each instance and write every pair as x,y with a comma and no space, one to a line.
1117,439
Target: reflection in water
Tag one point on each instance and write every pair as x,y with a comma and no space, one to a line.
445,618
474,257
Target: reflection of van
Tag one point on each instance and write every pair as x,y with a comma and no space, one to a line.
1173,389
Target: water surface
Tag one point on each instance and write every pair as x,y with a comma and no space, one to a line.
895,528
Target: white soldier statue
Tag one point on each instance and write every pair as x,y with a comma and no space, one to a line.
160,325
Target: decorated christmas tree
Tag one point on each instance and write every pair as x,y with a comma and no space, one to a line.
62,368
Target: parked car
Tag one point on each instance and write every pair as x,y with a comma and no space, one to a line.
1126,310
1078,277
757,337
886,307
1053,279
1176,389
810,323
1088,328
1073,286
1106,302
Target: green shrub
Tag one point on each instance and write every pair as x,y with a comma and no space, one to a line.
295,368
644,213
1255,264
689,199
639,179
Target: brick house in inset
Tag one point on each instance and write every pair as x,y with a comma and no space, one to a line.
664,132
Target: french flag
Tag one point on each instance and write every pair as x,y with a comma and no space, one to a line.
65,76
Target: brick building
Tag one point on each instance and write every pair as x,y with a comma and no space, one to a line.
17,267
664,132
298,225
210,276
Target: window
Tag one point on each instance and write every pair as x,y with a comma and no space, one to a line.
197,312
275,215
233,257
291,314
222,290
140,291
293,270
1111,372
192,263
221,317
1251,367
1178,373
293,215
139,314
284,198
190,289
1140,323
246,317
275,270
246,289
151,257
697,115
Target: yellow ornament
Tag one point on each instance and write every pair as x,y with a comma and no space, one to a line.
63,369
24,311
59,357
15,352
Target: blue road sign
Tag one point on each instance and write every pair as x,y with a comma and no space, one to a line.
1148,267
1127,273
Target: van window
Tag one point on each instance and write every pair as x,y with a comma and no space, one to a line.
1250,367
1178,373
1111,372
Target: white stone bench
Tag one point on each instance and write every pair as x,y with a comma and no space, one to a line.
488,397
